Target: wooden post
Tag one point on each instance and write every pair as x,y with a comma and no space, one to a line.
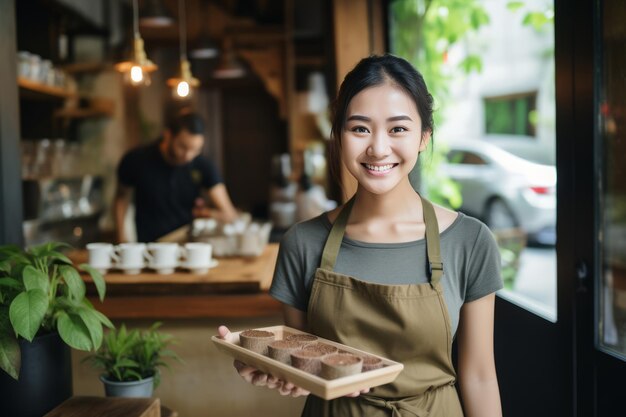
358,33
10,157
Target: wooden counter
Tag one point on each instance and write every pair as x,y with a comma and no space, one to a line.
236,287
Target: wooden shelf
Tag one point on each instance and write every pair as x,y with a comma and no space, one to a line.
82,113
42,91
84,67
95,107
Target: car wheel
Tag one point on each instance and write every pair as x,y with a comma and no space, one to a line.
499,216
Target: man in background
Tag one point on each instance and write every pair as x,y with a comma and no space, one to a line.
170,183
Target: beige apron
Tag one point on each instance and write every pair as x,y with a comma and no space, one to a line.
405,323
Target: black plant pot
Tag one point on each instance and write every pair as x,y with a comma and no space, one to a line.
45,378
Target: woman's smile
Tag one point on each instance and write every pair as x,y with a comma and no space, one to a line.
379,169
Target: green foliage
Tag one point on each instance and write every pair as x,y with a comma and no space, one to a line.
539,20
437,186
133,355
511,244
41,291
422,32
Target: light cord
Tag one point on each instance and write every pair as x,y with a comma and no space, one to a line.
183,30
135,19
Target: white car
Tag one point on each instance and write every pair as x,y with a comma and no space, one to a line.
504,190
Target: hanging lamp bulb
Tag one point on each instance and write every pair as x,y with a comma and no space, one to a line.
183,86
137,70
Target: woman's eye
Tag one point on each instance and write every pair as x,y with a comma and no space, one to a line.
359,129
398,129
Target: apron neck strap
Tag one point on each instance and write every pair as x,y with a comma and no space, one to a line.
333,243
433,247
433,252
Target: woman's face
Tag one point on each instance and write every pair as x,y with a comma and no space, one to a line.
382,137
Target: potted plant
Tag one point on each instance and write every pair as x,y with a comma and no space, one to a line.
130,360
43,312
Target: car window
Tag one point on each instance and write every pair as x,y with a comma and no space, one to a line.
465,158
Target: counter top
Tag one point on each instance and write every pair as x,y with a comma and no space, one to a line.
236,287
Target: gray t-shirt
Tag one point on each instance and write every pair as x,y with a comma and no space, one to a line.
470,256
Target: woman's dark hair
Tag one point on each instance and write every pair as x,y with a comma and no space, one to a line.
370,72
185,120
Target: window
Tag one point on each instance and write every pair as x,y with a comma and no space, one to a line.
489,92
465,158
514,115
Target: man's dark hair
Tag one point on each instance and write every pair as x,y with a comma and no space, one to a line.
184,120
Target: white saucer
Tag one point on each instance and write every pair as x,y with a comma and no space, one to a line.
201,269
163,269
102,269
130,269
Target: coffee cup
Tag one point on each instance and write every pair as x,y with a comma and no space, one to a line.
163,257
197,256
131,257
101,256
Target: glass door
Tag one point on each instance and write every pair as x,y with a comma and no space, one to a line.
610,297
491,67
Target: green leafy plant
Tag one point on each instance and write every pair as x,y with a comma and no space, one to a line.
41,291
132,355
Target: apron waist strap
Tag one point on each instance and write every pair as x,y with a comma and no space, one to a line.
402,407
399,408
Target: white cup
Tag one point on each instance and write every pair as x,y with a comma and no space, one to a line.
163,257
131,257
197,256
101,255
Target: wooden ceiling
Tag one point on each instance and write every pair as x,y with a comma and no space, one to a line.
245,22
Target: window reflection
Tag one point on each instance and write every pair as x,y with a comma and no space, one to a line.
495,140
612,196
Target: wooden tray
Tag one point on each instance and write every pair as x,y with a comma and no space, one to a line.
324,388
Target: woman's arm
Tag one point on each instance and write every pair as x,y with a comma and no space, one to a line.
294,318
477,371
224,209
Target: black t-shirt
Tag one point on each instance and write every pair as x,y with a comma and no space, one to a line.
164,193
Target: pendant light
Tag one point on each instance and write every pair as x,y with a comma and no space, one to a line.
182,87
229,66
154,15
137,70
205,47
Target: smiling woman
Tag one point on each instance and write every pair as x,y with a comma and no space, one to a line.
396,243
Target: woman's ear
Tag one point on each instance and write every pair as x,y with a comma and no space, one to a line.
425,140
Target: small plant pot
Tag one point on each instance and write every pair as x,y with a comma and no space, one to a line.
341,364
305,339
307,360
256,340
322,348
142,388
281,350
371,362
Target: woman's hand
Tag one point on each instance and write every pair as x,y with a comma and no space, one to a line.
259,378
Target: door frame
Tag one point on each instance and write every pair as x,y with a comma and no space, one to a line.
10,171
